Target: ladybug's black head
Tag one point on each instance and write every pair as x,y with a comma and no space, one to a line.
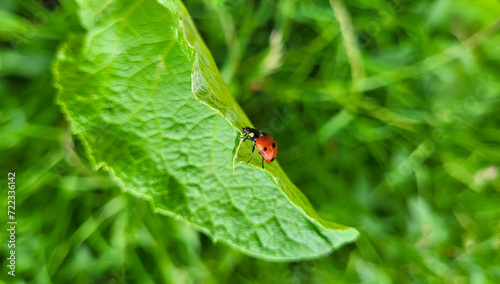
251,132
246,130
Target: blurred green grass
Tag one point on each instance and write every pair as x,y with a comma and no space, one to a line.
408,154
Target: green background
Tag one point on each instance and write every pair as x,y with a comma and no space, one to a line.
401,144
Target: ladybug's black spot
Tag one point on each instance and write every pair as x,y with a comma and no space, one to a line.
265,149
274,145
273,159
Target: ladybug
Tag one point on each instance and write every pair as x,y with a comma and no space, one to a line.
268,149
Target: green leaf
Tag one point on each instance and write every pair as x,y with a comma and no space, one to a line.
142,92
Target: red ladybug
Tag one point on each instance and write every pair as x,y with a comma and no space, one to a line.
268,149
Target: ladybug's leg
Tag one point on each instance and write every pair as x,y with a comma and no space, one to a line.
244,138
262,159
251,156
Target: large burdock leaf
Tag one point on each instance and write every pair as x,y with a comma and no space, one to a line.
142,91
